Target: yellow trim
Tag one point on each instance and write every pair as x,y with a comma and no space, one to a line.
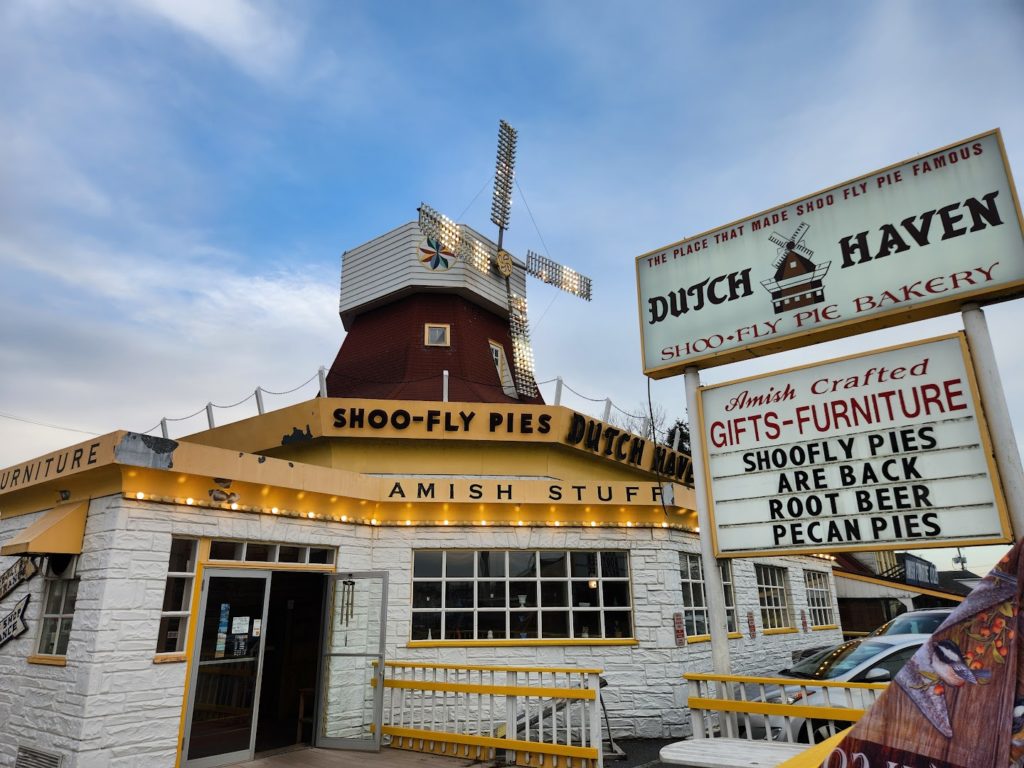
816,755
824,627
495,743
894,585
986,440
844,328
202,554
59,470
779,631
791,681
483,668
707,638
169,658
518,642
764,708
49,661
59,531
495,690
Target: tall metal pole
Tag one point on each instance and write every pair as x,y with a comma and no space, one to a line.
714,592
997,414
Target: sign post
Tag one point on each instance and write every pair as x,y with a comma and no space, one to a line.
714,591
1004,443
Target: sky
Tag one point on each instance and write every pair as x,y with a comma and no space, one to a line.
179,178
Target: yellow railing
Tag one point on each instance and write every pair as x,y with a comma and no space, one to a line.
774,708
540,716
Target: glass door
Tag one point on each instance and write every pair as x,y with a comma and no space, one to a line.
350,697
226,664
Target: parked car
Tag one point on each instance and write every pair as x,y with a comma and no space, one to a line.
864,660
921,622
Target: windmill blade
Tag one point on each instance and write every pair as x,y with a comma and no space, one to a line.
504,173
475,252
801,248
454,237
440,228
558,275
522,352
778,239
799,232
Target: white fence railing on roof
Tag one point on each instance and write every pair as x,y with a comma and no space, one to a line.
607,405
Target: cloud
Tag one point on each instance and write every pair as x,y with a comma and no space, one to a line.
260,42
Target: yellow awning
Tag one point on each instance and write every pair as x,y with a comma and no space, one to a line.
59,531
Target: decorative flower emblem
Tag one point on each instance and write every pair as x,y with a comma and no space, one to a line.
434,257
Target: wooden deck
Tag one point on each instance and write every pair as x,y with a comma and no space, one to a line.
729,753
336,758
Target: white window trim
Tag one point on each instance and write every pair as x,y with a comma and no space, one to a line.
819,599
691,612
772,582
508,385
50,580
189,578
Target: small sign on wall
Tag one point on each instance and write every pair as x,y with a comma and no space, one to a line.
13,624
23,569
679,627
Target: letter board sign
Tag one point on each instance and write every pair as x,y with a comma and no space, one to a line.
884,450
910,241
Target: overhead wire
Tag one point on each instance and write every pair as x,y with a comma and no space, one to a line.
12,417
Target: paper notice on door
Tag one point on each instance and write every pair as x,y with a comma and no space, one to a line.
221,642
257,626
240,625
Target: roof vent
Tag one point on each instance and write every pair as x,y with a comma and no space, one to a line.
36,758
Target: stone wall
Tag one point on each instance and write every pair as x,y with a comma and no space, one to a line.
122,709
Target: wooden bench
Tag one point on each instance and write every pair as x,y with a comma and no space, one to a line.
741,704
729,753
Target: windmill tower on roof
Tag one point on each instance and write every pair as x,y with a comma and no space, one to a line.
434,296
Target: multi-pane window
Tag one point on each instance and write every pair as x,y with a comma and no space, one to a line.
819,598
265,552
695,605
60,595
520,595
771,595
174,614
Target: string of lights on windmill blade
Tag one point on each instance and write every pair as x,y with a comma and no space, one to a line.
460,241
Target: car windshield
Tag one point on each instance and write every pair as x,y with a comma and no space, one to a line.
911,624
837,661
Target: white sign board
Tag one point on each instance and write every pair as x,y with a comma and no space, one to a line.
886,450
910,241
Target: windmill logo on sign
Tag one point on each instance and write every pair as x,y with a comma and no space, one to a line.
798,281
452,241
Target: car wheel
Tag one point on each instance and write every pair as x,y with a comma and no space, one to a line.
821,730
